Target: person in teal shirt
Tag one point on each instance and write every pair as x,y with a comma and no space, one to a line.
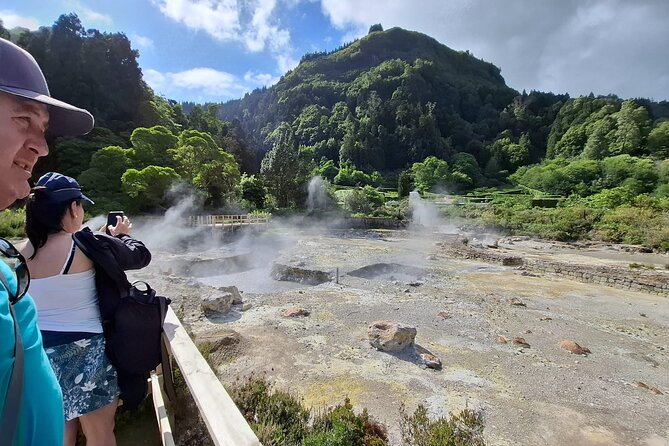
26,111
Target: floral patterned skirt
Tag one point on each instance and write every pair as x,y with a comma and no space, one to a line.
86,377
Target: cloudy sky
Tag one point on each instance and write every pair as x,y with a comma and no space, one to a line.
213,50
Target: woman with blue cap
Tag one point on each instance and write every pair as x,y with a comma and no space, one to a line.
65,292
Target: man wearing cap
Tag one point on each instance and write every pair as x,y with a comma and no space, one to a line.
33,414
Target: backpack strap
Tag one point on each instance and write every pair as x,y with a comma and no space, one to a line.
12,409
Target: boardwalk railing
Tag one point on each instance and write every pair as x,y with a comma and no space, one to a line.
228,220
226,425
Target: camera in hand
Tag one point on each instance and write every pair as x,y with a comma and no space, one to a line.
111,219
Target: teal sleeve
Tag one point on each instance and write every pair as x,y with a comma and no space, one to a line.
42,419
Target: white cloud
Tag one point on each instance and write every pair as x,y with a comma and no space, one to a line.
141,41
205,84
260,79
88,15
285,62
570,46
12,20
251,23
219,18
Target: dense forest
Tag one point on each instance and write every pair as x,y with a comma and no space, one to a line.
395,108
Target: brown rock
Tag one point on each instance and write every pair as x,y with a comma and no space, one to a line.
443,315
390,336
517,302
640,384
232,290
501,339
294,312
656,391
431,361
218,302
528,331
218,338
521,342
573,347
545,318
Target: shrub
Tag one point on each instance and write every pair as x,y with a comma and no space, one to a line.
275,415
363,201
279,419
462,429
12,222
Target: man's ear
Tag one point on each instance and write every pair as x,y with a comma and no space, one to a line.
74,208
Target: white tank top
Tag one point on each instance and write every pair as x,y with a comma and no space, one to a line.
67,302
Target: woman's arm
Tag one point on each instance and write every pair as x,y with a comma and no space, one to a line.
128,252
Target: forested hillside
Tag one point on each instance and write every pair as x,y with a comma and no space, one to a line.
395,97
394,108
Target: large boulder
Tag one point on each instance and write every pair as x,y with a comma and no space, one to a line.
390,336
236,297
217,302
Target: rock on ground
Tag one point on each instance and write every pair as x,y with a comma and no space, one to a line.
390,336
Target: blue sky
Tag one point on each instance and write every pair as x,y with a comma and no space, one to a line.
215,50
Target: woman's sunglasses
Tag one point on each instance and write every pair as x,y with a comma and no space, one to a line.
13,258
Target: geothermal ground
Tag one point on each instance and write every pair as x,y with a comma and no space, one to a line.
536,395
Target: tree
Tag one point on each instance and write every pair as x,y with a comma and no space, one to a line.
375,28
632,128
597,145
282,169
3,31
253,190
152,146
327,169
404,183
658,140
102,180
465,164
430,173
148,187
207,166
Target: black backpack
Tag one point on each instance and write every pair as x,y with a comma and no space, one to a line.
133,340
133,332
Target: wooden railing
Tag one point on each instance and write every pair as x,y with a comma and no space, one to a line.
228,220
226,425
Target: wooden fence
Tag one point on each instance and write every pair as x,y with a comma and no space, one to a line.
225,423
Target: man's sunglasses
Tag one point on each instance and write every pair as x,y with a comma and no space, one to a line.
13,258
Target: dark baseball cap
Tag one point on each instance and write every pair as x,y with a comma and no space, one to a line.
21,76
60,187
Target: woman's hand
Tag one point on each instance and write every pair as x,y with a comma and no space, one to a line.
123,226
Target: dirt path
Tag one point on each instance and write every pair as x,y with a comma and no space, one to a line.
541,395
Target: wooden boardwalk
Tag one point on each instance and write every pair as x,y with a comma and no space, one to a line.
229,221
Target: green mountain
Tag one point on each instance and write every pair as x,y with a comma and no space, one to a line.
382,102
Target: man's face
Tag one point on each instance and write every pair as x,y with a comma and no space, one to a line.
22,126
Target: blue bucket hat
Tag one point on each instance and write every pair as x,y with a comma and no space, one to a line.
61,188
21,76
